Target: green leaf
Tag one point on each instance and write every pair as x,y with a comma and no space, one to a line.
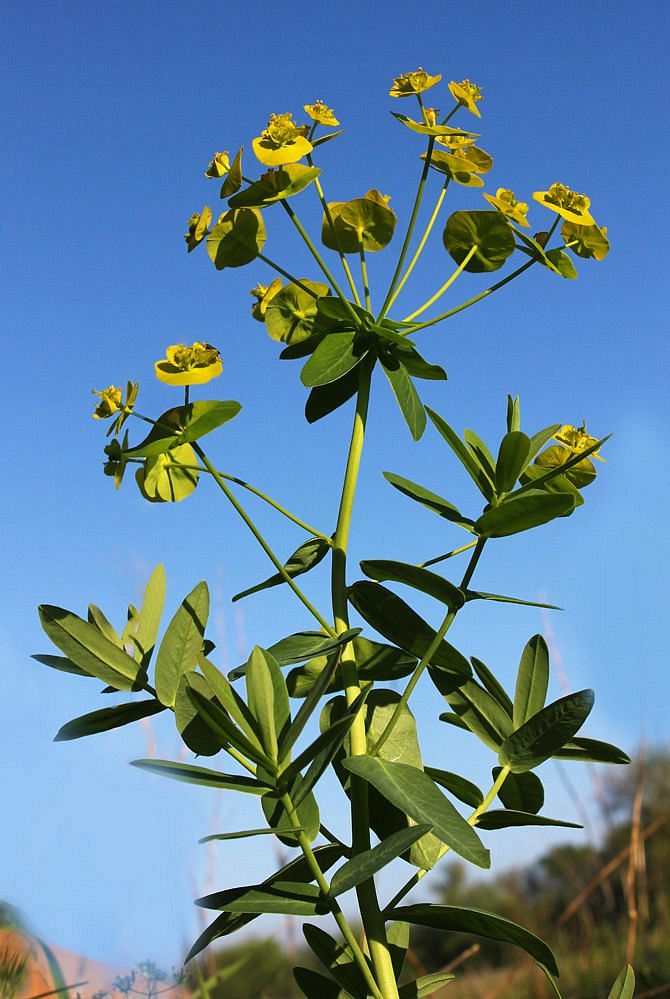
319,140
504,818
181,647
182,424
383,570
425,986
292,898
465,456
291,314
194,730
451,718
463,789
242,834
61,663
398,623
316,986
407,398
377,661
190,774
223,727
480,712
237,238
521,792
417,795
90,651
365,865
267,698
307,812
561,263
302,645
275,185
417,367
538,440
624,987
96,617
423,129
149,618
546,732
591,751
512,459
325,399
304,558
233,181
480,595
107,718
429,499
364,221
458,919
481,453
334,357
560,470
397,935
523,512
488,231
532,680
513,414
336,958
231,701
492,685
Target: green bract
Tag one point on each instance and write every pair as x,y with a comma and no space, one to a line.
488,232
366,222
291,313
237,238
275,185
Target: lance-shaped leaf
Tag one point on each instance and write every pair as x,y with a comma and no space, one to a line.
425,986
325,399
487,231
307,811
291,314
224,728
240,834
334,357
464,454
320,683
231,701
61,663
418,796
149,617
463,789
304,558
397,935
624,987
504,818
95,616
477,709
417,367
480,595
512,459
233,181
88,649
291,898
194,730
398,623
267,698
481,453
458,919
182,643
297,870
532,680
190,774
513,413
429,499
559,470
365,865
523,512
275,185
521,792
336,958
546,732
423,129
316,986
302,645
407,398
237,238
591,751
387,570
492,685
107,718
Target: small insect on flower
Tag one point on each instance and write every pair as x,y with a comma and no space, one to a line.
192,365
468,94
577,440
282,142
417,82
506,203
566,203
321,113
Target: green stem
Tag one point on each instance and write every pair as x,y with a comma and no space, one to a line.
442,558
331,225
410,229
424,239
472,301
430,651
242,760
287,275
364,275
445,287
373,921
261,540
338,915
317,256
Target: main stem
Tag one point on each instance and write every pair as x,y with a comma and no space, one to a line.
373,921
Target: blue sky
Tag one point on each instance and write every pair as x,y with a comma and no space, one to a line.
111,114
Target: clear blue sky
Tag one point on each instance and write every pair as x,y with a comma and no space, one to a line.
110,115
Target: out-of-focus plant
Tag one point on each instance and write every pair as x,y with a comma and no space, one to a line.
344,332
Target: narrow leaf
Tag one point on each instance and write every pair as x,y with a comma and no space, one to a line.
336,958
149,618
190,774
107,718
429,499
83,645
425,986
285,897
523,512
304,558
267,698
504,818
465,456
463,789
334,357
365,865
591,751
181,647
532,680
624,987
512,459
408,399
546,732
383,570
521,792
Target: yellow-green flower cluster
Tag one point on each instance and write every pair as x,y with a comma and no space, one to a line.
112,403
192,365
219,166
506,203
282,142
321,113
409,84
566,203
468,94
577,440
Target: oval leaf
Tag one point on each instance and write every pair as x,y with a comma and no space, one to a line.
546,732
521,513
181,647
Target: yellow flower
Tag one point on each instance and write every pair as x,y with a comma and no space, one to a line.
467,94
576,439
506,203
321,113
193,365
566,203
198,227
264,293
219,166
111,400
282,141
413,83
456,142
